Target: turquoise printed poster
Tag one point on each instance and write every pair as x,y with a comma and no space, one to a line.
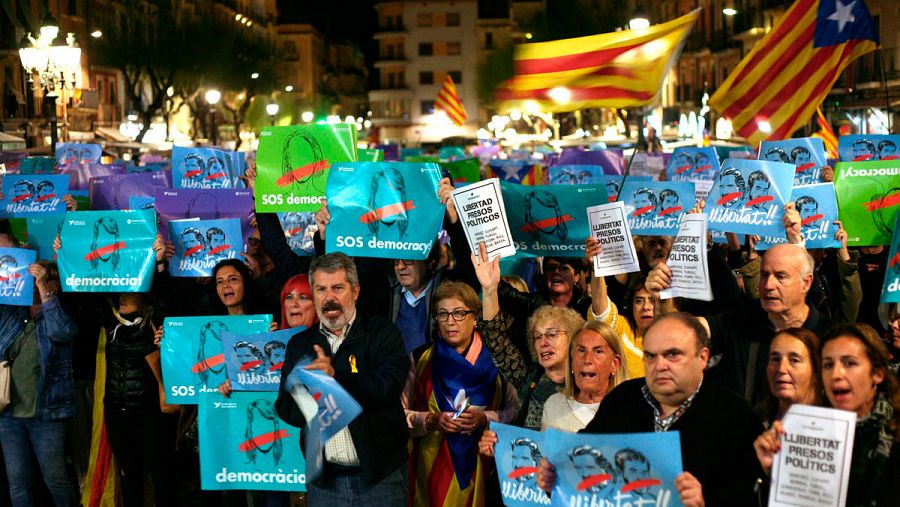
807,154
254,361
818,210
748,197
191,352
518,454
383,209
655,208
890,293
201,244
692,164
42,231
107,251
244,445
202,168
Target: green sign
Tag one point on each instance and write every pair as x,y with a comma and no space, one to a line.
367,155
466,170
868,195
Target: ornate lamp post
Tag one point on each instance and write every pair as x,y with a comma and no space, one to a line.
213,97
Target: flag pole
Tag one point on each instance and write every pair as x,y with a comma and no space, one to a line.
887,95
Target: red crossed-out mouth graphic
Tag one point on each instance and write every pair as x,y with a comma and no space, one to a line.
867,156
193,174
12,276
276,366
104,250
386,211
295,231
642,211
703,168
302,172
208,363
759,200
194,250
643,483
885,202
215,176
218,249
547,222
20,198
728,198
593,480
316,396
261,440
804,167
811,219
669,211
249,365
519,472
891,157
894,260
45,198
683,169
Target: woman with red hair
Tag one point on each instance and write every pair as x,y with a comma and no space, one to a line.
297,307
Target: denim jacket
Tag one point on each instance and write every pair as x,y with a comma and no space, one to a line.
55,331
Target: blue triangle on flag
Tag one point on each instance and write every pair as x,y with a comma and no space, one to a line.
838,21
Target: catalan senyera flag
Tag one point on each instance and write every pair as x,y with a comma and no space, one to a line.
449,101
826,134
618,69
776,88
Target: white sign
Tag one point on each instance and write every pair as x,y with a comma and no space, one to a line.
609,225
687,260
483,216
813,466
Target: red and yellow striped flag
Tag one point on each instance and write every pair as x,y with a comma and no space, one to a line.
618,69
449,101
826,134
776,88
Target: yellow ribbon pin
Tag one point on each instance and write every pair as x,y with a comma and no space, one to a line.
353,364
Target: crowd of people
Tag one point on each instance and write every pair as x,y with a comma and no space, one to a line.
548,347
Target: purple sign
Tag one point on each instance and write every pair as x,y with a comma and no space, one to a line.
113,192
205,204
612,161
80,175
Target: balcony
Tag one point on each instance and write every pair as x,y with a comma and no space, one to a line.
391,58
390,30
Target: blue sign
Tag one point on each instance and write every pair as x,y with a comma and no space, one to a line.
576,174
202,168
78,153
25,196
299,228
550,219
807,154
254,360
748,197
818,210
868,147
201,244
16,283
373,206
107,251
42,232
620,469
655,208
37,165
518,454
692,164
890,293
141,202
191,352
244,445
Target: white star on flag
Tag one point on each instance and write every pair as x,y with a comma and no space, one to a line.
843,14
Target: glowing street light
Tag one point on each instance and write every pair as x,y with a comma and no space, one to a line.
560,95
289,88
307,116
213,97
764,126
97,34
272,110
728,11
255,75
639,21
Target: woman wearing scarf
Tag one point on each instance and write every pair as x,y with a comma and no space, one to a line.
452,391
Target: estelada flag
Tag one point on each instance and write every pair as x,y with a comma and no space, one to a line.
826,134
449,101
778,85
618,69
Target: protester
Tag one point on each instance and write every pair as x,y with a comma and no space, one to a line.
237,291
794,372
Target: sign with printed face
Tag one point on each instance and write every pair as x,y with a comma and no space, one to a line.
244,445
202,168
299,228
807,154
204,204
374,205
293,163
748,197
868,195
254,360
518,454
25,196
16,283
818,210
868,147
191,353
655,208
78,153
107,251
692,164
890,293
201,244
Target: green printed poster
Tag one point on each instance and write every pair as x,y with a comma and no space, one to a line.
367,155
292,164
465,170
868,195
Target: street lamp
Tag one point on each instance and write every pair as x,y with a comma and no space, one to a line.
307,116
212,98
639,21
272,111
728,11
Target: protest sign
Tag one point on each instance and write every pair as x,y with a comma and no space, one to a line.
25,196
299,228
868,147
463,171
451,153
244,445
609,225
373,205
107,251
391,152
42,231
647,165
518,454
483,216
807,154
818,210
254,361
202,168
748,197
11,161
868,195
577,174
205,204
141,202
611,161
405,153
655,208
293,163
201,244
80,175
37,165
692,164
614,469
16,283
191,352
78,153
550,219
327,407
890,293
115,191
523,172
813,466
367,155
688,263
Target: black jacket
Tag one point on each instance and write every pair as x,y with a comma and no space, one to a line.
130,383
379,433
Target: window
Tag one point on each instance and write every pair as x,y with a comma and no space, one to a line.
426,78
452,19
454,48
426,107
426,49
424,19
456,76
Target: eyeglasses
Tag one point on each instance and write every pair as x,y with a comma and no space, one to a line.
551,334
458,315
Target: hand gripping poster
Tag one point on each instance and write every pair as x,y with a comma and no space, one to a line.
868,147
748,197
107,251
244,445
483,216
78,153
609,226
614,470
388,210
42,231
655,208
868,195
202,168
254,361
25,196
692,164
299,228
191,353
115,192
818,210
550,219
327,407
205,204
518,454
16,283
201,244
890,293
807,154
293,163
